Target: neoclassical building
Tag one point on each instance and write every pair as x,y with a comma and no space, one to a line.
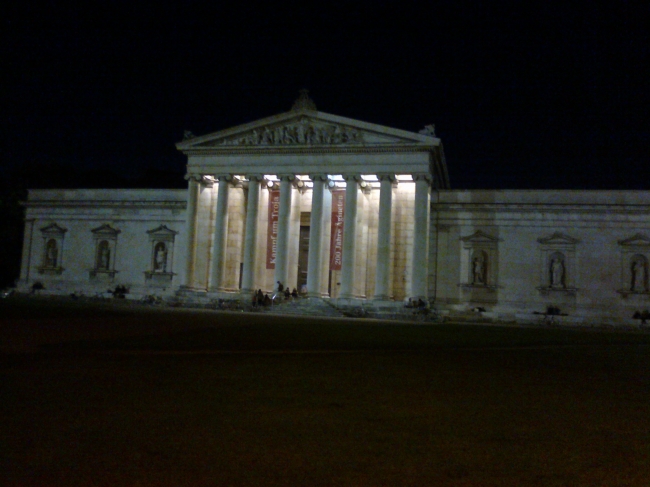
346,210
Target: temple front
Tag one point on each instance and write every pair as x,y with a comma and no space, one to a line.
344,210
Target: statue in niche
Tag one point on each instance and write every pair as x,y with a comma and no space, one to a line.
557,273
51,254
478,271
104,256
160,258
638,276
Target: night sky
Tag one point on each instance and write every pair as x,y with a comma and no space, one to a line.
523,94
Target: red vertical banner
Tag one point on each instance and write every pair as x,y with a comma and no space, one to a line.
336,244
272,235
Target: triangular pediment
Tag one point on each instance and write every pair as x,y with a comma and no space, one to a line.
53,229
162,231
479,237
638,240
558,239
105,231
306,128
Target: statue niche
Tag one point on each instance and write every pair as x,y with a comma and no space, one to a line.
557,271
103,261
480,263
160,272
479,268
160,258
639,274
51,254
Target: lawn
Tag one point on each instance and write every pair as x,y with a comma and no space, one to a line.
143,397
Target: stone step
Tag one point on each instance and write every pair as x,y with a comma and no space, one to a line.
304,307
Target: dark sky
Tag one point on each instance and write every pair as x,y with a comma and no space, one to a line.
523,94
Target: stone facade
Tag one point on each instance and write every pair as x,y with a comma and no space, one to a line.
347,210
584,252
88,241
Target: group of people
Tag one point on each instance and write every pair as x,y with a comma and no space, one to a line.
412,303
261,299
288,293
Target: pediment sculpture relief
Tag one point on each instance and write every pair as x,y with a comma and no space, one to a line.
302,132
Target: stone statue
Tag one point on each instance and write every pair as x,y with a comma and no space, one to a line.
304,102
638,276
478,271
51,254
266,137
429,130
160,258
557,273
104,256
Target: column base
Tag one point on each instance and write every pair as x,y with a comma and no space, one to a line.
192,289
218,292
317,295
382,297
351,296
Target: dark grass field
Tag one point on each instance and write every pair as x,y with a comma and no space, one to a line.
114,395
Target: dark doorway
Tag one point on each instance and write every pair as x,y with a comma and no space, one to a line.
303,257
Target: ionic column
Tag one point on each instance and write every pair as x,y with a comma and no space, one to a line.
190,227
349,236
315,258
382,275
284,214
218,263
250,244
420,264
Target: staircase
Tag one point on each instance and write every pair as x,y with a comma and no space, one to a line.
304,307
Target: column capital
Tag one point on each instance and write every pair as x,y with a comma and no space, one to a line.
287,177
223,177
255,177
387,177
422,177
318,177
193,177
352,177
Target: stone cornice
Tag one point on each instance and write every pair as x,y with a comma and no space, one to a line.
302,150
104,204
538,208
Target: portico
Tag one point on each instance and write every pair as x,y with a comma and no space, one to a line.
359,191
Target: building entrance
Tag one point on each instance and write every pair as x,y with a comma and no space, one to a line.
303,257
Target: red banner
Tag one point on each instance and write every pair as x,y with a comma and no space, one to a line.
272,235
336,244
